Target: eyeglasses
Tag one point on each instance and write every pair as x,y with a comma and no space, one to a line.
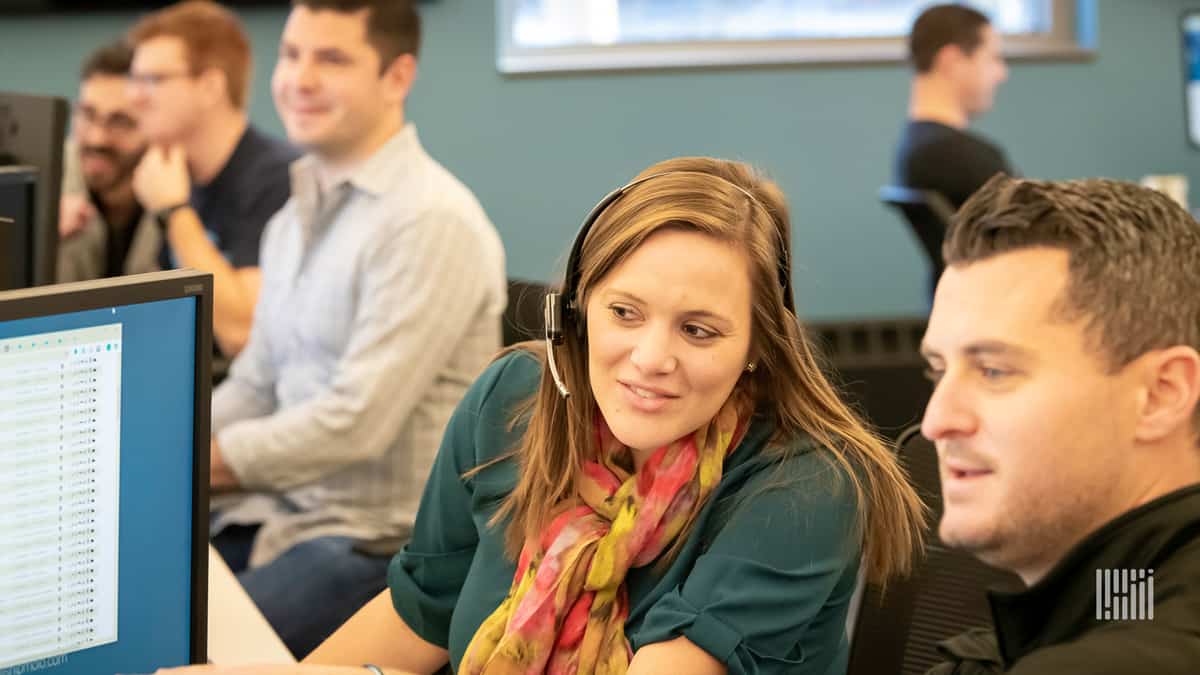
116,123
154,80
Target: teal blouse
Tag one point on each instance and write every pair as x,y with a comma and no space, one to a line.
763,582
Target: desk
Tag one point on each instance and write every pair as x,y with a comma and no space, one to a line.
238,633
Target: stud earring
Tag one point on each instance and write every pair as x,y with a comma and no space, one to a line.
751,366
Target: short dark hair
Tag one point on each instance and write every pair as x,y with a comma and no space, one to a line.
1133,271
943,25
114,58
393,26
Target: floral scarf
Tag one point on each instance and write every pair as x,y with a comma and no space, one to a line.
565,612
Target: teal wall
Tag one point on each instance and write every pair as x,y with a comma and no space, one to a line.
539,151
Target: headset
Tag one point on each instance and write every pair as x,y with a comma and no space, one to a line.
562,307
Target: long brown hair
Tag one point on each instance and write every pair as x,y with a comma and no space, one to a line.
701,194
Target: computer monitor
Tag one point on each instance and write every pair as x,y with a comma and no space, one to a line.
32,131
18,195
104,456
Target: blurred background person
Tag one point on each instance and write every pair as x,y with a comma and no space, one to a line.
104,229
211,180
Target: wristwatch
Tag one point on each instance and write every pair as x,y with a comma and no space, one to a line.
163,216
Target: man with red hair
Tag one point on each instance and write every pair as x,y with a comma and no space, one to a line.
210,178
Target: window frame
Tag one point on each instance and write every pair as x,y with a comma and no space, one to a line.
1072,38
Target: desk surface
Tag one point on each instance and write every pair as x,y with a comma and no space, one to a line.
238,633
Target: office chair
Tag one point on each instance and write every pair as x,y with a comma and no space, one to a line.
928,214
522,318
944,596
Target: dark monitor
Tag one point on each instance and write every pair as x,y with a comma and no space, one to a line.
104,449
18,195
32,131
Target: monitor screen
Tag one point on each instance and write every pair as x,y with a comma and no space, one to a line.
99,498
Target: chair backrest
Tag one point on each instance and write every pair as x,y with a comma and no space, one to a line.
928,214
523,316
898,631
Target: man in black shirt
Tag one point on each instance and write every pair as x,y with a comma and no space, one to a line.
1065,346
211,180
104,230
956,55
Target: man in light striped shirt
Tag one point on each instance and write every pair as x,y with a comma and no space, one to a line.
381,302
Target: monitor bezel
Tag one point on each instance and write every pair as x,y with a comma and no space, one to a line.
132,290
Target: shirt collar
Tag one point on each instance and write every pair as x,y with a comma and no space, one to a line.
1062,605
390,164
376,174
236,160
381,173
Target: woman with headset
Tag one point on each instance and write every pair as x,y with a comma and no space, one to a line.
668,484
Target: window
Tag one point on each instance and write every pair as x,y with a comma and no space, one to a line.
553,35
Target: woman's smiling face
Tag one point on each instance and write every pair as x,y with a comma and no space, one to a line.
669,332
